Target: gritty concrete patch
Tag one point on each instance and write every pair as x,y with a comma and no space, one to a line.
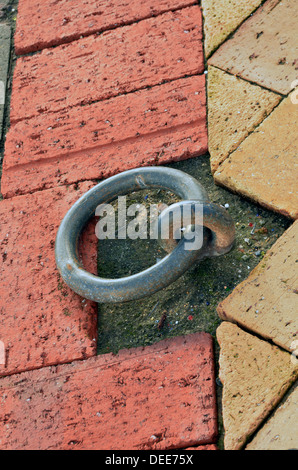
153,398
102,66
43,24
263,50
266,303
281,431
42,322
222,17
264,166
255,376
5,39
3,5
156,126
235,108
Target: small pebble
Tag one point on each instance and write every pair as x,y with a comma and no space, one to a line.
218,381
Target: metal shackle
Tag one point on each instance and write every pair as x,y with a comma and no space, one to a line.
219,234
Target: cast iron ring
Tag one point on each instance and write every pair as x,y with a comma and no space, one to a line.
155,278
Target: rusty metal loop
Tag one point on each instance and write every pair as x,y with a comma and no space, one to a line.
165,271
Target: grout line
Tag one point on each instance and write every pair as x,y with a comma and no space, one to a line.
251,82
255,129
105,146
112,96
239,26
134,353
267,418
258,335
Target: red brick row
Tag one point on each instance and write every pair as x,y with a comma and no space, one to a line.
42,24
159,397
156,126
99,67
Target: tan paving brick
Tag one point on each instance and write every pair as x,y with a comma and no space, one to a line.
235,108
153,398
266,302
43,24
42,322
264,167
156,126
99,67
222,17
281,430
264,49
255,376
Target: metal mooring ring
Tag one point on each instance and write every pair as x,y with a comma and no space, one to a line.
218,238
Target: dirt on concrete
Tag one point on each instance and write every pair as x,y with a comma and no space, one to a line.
188,305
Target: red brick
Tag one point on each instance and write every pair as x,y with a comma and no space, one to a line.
156,126
98,67
42,322
43,24
159,397
207,447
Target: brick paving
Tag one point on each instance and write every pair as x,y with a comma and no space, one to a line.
156,126
141,399
264,166
266,302
255,375
42,322
41,25
99,67
222,17
264,49
261,166
124,87
281,431
235,108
